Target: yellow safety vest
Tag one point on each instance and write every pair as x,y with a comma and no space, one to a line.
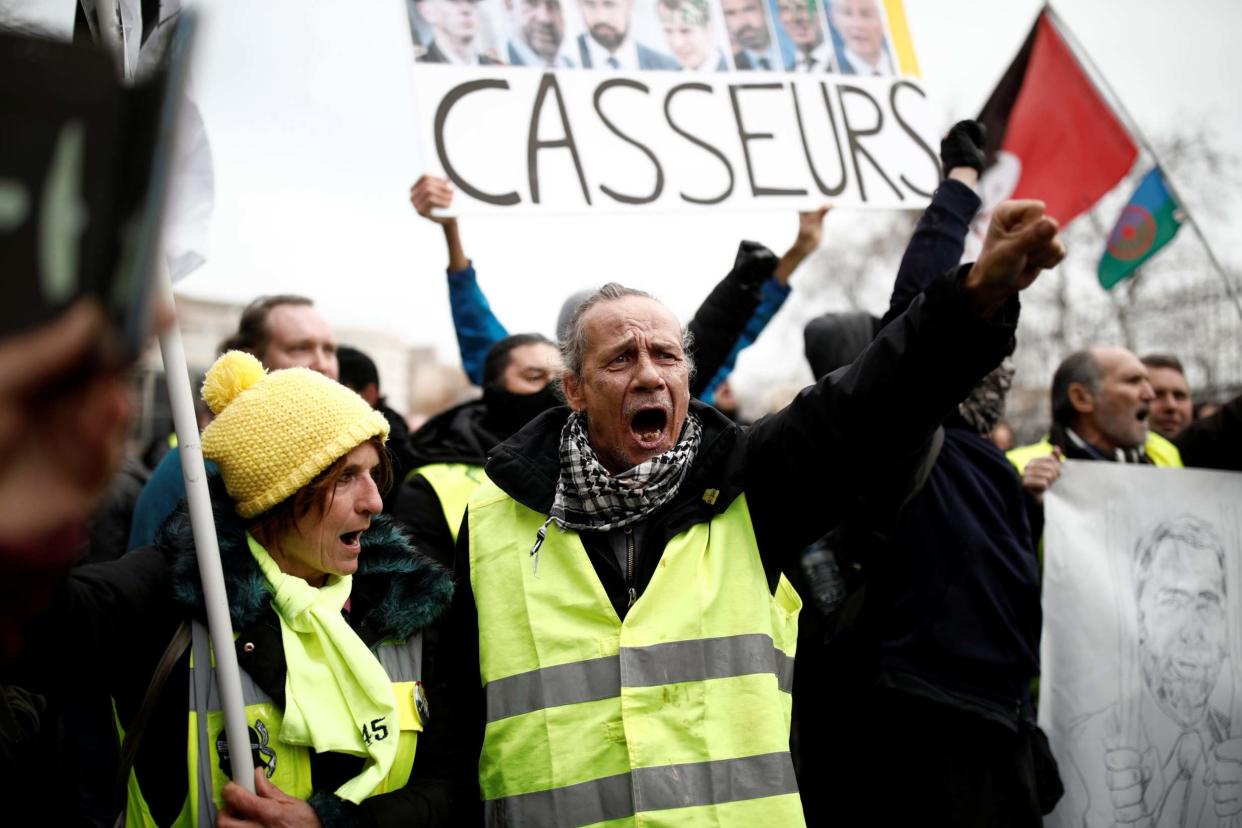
287,766
1161,451
453,484
678,715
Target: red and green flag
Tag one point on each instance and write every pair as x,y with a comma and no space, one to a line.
1147,223
1051,134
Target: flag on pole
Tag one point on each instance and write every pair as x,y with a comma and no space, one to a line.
1147,223
1051,135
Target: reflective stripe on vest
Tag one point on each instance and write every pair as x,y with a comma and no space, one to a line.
204,698
288,766
663,788
600,678
453,484
684,705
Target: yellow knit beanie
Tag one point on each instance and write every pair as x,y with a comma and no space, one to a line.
273,433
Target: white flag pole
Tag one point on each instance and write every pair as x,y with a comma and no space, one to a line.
189,445
189,442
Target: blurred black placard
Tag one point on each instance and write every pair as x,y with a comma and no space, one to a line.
84,163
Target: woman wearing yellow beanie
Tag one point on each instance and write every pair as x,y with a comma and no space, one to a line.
328,601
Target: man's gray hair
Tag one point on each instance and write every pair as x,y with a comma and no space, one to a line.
1082,368
1184,529
573,346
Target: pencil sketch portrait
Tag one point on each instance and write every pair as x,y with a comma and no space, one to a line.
1161,754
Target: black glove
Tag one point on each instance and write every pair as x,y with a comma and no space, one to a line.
963,146
753,266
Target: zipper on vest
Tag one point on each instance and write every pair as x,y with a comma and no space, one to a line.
629,564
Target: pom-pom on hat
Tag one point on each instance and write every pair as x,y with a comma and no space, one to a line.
273,433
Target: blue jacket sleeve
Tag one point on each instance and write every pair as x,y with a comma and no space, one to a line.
477,327
772,296
936,246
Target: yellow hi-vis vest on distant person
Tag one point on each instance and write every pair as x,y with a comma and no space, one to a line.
453,484
287,766
676,716
1161,451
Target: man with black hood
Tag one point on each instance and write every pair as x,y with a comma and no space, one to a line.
448,452
945,638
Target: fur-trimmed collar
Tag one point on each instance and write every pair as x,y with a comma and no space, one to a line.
404,589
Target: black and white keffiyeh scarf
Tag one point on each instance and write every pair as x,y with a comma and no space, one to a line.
589,498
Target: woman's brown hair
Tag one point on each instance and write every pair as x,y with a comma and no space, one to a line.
317,494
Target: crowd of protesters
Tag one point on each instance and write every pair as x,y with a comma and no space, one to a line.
592,595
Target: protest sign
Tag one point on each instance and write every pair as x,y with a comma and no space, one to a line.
1142,677
605,105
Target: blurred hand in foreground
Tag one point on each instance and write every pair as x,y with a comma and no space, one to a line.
61,434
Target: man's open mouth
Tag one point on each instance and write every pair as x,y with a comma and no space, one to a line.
1141,414
648,426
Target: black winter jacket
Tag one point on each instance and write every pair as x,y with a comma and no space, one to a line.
953,601
113,621
1214,442
952,610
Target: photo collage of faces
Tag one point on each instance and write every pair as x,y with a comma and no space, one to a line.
849,37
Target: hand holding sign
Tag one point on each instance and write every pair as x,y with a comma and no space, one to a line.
1040,474
62,424
810,234
432,193
811,228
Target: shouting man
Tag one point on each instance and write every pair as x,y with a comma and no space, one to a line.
622,634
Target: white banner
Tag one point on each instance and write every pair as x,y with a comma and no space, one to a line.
606,105
1142,645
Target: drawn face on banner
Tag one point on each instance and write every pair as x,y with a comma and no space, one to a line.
689,32
540,24
748,27
861,28
608,21
800,20
1182,629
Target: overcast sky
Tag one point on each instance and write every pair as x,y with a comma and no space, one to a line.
308,110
